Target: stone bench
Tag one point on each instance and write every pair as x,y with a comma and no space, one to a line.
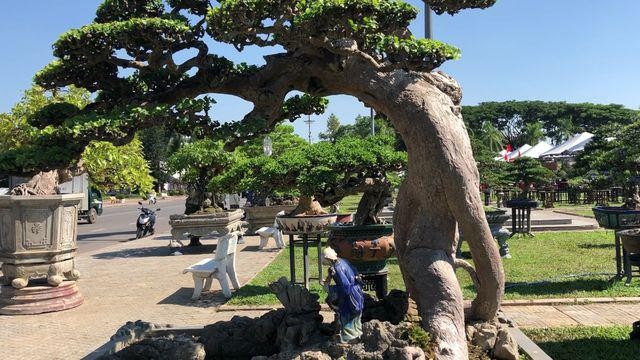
220,267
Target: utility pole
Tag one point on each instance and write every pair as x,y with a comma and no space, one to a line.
309,122
428,29
373,121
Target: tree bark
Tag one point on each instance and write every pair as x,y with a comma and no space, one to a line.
307,205
370,205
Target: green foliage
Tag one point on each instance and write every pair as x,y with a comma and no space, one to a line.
372,24
200,161
118,167
494,174
586,342
612,157
118,10
158,143
420,338
528,171
333,125
329,171
559,120
125,58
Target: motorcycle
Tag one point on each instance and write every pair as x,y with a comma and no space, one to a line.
146,221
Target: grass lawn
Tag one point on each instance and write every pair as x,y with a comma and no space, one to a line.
582,210
586,343
550,265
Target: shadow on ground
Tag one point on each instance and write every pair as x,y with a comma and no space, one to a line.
591,349
182,296
597,246
96,235
156,251
558,287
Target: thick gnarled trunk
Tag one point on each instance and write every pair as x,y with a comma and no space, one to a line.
439,194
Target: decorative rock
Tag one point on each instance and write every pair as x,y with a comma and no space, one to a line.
394,308
39,299
471,332
406,353
163,348
485,336
506,347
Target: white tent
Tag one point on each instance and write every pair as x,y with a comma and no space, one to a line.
576,142
518,152
501,157
538,149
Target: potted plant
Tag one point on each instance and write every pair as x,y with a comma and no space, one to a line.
198,163
265,197
526,173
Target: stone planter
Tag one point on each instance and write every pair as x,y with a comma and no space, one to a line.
630,240
196,226
367,247
306,224
613,217
496,220
261,216
38,238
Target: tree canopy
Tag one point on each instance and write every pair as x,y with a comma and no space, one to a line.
126,57
518,120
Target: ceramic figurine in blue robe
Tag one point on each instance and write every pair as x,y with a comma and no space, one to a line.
346,296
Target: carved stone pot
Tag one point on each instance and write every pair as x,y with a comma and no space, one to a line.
196,226
367,247
38,238
260,216
306,223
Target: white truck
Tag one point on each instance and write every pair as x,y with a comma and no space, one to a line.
91,205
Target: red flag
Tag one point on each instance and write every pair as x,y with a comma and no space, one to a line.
507,151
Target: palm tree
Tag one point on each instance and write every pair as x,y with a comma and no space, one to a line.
564,129
492,137
532,133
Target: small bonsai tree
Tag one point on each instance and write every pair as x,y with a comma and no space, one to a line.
324,173
525,172
198,163
613,158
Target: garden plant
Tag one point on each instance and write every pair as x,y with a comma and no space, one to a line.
361,48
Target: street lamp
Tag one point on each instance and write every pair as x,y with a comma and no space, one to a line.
267,146
428,29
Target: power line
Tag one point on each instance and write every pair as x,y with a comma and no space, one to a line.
309,122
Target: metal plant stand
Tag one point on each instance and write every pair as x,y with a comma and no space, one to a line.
521,216
376,281
305,239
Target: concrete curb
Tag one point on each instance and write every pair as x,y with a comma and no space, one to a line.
572,214
569,301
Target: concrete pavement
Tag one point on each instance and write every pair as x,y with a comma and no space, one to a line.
124,282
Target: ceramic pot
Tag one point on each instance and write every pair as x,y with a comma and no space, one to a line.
305,224
367,247
630,240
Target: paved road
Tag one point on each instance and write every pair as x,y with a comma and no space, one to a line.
118,223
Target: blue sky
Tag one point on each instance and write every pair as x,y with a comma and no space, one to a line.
554,50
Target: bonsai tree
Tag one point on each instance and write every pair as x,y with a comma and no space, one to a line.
198,163
526,171
613,158
125,57
324,173
108,166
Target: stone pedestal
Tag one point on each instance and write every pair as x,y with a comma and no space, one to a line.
38,238
196,226
39,299
263,216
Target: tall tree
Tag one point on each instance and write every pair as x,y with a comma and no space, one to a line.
558,119
532,133
360,48
492,137
333,125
